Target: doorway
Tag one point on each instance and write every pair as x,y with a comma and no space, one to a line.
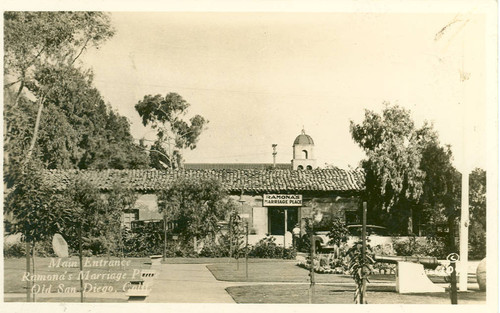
277,219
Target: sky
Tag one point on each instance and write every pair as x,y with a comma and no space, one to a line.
260,78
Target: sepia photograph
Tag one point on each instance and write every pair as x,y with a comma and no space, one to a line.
340,156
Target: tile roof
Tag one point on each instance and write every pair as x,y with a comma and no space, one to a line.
236,166
257,181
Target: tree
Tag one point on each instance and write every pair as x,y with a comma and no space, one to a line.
84,218
174,133
394,179
158,156
36,211
33,40
40,47
360,268
78,130
120,198
440,200
235,233
477,202
197,205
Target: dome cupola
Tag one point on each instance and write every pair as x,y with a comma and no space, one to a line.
303,139
303,152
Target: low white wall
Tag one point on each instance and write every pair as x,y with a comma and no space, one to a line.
260,221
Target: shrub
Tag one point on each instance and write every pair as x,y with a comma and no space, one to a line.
144,241
304,243
217,249
477,246
268,249
434,247
18,249
338,231
96,246
44,249
147,240
15,250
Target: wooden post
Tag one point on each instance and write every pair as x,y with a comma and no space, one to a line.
284,233
164,237
363,255
246,252
33,268
28,270
80,250
453,284
311,270
230,238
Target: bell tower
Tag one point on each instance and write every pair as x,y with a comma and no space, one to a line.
303,152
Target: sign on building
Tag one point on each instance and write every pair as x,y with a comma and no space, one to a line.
282,200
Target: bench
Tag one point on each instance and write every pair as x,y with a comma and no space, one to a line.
156,259
141,287
137,294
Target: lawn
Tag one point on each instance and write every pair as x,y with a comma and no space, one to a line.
275,272
287,271
299,293
179,260
278,271
102,278
203,260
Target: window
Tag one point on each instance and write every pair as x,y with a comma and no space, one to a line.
129,216
309,167
304,154
300,167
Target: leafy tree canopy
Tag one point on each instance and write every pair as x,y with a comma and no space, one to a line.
408,172
36,39
34,206
440,200
197,206
84,211
77,129
174,133
394,149
477,200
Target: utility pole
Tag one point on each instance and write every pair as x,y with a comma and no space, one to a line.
464,216
464,231
274,155
363,255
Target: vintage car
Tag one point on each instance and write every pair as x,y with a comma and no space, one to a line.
377,235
